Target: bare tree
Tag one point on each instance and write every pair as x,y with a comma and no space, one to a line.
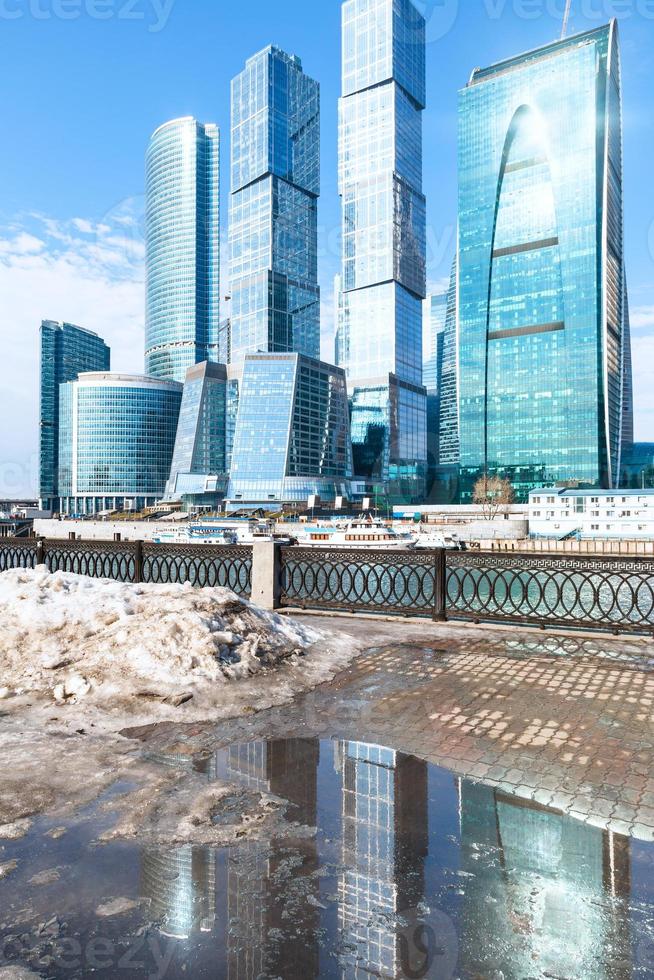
493,494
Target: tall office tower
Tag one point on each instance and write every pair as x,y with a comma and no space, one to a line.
383,276
448,440
66,352
542,333
182,323
273,230
627,385
433,336
291,439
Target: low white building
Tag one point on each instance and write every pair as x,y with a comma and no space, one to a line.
592,514
469,521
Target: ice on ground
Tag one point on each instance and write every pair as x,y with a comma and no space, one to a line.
117,906
145,652
8,868
14,831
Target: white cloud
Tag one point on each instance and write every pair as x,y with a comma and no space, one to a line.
643,358
86,273
21,244
642,317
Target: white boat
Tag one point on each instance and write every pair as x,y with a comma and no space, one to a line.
359,534
198,534
263,531
438,539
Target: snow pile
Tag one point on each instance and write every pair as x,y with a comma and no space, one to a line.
81,640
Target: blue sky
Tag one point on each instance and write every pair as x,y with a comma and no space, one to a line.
87,81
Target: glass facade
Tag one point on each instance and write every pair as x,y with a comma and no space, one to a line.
448,439
273,234
183,248
433,336
292,436
200,444
116,441
379,339
542,337
66,352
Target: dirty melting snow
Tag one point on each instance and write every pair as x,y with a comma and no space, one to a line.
147,650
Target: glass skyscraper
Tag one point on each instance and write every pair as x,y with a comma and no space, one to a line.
116,441
66,352
183,248
379,339
275,185
199,462
292,438
433,336
543,338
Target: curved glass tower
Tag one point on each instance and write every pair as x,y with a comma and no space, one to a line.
543,335
183,248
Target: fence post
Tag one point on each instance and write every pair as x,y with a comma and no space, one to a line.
440,587
40,551
266,574
138,562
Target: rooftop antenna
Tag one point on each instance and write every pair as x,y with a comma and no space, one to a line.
566,18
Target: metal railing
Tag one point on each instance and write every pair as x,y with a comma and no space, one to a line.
583,592
406,582
135,561
610,593
575,592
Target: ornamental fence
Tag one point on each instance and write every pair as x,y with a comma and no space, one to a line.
136,561
614,593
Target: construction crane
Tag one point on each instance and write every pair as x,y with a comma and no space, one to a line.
566,18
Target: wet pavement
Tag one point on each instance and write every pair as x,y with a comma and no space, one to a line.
563,721
467,803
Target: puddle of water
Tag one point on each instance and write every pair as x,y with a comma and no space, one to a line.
411,873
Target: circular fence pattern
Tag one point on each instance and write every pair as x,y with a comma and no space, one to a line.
577,592
17,554
93,560
349,579
198,565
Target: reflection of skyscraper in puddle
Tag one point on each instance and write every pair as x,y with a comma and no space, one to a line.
546,891
262,897
181,885
181,882
385,842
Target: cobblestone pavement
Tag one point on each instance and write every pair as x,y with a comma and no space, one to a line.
564,721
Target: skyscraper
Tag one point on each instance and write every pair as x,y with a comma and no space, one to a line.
199,465
292,438
433,336
183,248
66,352
383,276
116,441
543,340
274,208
